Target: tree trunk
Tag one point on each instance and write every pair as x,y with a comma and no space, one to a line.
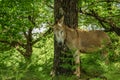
27,48
68,9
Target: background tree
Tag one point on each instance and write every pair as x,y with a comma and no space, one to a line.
21,39
104,13
19,21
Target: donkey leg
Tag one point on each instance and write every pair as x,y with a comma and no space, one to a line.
77,63
105,56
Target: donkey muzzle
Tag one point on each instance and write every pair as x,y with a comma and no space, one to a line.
60,43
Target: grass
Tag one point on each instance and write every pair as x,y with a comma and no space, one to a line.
44,75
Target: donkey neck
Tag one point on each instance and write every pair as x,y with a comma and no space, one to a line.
71,37
71,33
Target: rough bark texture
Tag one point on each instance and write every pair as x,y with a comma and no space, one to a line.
68,9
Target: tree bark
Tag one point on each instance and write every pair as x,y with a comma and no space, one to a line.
68,9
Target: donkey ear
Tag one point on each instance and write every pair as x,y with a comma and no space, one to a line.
61,21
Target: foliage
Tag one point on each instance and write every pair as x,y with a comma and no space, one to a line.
12,65
18,16
19,19
99,13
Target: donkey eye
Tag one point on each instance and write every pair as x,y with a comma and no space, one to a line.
61,32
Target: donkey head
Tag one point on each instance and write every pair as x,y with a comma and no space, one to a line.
59,31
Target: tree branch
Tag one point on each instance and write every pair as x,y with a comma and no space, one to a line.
13,43
25,34
21,51
113,26
45,34
4,41
31,19
16,45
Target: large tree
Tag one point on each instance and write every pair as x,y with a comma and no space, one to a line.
68,9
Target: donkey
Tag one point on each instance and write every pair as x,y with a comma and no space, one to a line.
79,40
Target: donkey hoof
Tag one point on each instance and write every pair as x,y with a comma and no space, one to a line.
78,75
